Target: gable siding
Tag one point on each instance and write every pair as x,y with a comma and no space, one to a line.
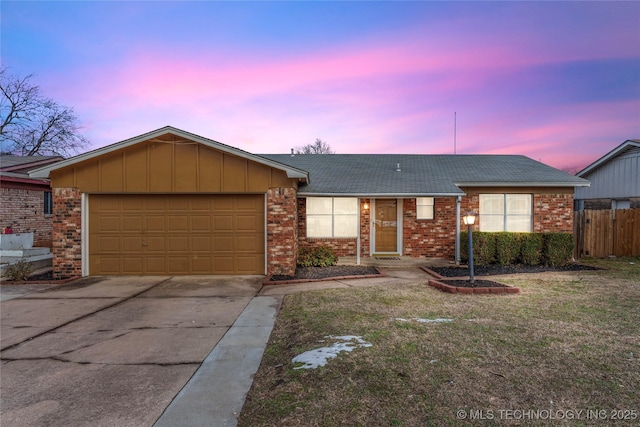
170,165
618,178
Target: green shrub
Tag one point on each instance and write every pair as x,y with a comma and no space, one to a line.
18,271
320,256
507,248
484,247
530,248
557,248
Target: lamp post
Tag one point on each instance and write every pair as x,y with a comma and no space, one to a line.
469,219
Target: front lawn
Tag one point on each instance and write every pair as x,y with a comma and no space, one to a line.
565,351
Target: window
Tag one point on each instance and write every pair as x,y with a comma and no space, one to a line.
332,217
424,207
48,203
506,212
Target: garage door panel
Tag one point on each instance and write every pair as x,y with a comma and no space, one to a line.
223,244
223,223
246,223
178,223
155,264
131,223
246,243
132,204
109,265
178,265
155,224
223,203
109,223
132,265
201,223
178,243
176,234
108,244
132,244
154,244
201,244
201,265
246,264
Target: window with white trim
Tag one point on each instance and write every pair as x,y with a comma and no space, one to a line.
332,217
424,207
506,212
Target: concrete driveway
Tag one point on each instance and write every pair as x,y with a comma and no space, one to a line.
114,351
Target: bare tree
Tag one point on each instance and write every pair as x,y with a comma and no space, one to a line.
31,124
318,147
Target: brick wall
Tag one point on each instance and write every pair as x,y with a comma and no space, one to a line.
23,210
433,238
282,231
67,232
553,213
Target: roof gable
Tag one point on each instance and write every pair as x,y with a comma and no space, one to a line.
622,149
291,172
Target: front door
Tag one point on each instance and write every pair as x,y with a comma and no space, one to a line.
386,225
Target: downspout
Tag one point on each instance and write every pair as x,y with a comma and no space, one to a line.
358,235
458,200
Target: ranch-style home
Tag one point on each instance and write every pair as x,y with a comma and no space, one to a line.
173,203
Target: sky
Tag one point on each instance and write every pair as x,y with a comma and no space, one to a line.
556,81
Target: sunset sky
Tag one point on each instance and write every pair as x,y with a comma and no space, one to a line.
556,81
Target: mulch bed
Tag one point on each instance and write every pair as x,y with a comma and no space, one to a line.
314,274
38,279
497,269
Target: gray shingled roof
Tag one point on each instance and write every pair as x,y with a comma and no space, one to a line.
420,175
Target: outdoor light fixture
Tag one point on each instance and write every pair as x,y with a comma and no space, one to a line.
366,205
469,219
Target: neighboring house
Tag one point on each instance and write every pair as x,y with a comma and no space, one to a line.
171,202
26,203
615,180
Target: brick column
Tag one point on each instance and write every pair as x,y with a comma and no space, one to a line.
67,233
282,231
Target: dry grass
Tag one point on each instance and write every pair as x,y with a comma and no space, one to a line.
568,342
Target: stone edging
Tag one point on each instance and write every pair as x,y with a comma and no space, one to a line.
268,281
464,290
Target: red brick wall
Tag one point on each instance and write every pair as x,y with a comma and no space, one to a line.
282,231
553,213
67,232
23,210
433,238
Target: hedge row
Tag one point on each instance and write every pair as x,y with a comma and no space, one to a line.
518,248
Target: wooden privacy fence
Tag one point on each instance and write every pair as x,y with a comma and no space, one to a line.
601,233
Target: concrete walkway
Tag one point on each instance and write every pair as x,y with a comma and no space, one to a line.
215,394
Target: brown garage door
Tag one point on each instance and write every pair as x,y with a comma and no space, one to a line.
176,234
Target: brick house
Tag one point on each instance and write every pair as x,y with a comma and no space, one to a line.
170,202
26,203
